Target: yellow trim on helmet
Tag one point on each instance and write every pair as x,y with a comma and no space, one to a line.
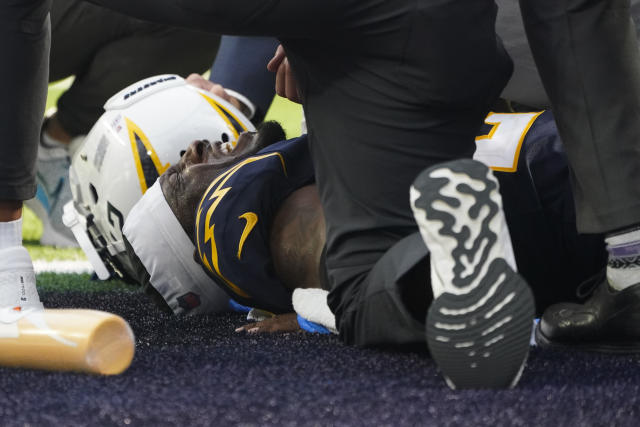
133,129
221,110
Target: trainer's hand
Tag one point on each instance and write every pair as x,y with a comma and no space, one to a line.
286,83
201,83
279,323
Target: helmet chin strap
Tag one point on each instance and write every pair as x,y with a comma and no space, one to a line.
78,225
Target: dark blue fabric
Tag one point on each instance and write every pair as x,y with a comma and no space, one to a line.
236,247
241,65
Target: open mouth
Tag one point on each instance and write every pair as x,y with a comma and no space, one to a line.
248,143
219,148
226,148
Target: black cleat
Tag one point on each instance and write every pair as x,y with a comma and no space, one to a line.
609,321
479,324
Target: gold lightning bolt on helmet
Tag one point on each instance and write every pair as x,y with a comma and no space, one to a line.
144,130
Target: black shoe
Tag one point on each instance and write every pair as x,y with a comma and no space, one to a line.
479,324
609,321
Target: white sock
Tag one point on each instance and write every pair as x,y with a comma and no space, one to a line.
623,265
17,278
11,233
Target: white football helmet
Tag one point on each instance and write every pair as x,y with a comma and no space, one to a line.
144,130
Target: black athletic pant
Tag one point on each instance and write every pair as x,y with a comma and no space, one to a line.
389,305
107,51
24,49
587,55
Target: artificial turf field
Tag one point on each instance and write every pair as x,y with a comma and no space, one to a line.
198,371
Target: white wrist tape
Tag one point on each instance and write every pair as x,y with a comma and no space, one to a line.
311,304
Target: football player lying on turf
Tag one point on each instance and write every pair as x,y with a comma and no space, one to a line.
145,128
259,232
267,215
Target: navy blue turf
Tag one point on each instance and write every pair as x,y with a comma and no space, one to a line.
200,372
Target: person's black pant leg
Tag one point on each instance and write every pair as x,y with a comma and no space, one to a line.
390,305
373,132
587,55
24,48
107,51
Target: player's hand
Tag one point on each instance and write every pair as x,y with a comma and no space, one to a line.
286,83
201,83
278,323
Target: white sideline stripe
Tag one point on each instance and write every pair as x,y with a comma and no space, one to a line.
62,266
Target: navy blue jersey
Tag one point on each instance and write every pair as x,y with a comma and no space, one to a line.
533,171
234,219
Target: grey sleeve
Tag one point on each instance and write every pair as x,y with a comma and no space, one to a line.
525,86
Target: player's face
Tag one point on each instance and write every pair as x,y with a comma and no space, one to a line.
184,183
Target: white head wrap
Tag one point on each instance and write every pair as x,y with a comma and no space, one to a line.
166,252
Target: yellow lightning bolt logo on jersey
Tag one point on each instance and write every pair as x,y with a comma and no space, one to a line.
210,202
